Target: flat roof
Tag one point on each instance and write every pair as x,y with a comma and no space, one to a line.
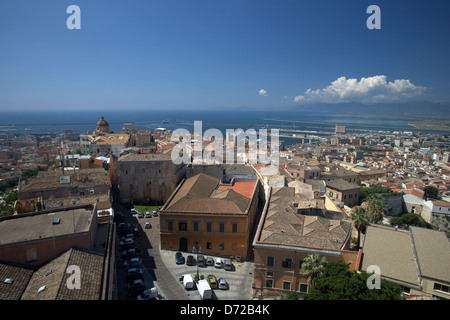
391,251
23,228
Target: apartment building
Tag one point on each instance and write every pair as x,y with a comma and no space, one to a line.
289,230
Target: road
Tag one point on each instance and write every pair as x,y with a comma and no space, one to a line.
160,270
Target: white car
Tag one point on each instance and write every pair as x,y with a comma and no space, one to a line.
218,263
147,225
223,285
148,294
140,215
148,214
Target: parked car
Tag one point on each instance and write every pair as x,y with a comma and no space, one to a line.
212,281
133,265
222,284
227,265
148,214
134,274
218,263
209,261
126,241
155,213
149,294
133,211
136,232
140,215
190,260
147,225
179,259
201,261
132,260
136,287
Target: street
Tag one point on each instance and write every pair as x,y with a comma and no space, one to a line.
161,271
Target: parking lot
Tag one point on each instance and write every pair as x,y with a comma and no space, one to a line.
239,280
161,271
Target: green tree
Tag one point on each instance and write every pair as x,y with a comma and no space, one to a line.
360,218
377,207
313,265
431,192
409,219
339,283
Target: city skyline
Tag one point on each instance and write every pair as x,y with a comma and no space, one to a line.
199,54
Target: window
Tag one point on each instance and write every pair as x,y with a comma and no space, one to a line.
208,245
350,196
300,264
170,225
269,274
195,223
441,287
286,285
234,227
182,226
303,288
221,226
222,246
208,226
270,261
287,263
269,283
356,195
31,254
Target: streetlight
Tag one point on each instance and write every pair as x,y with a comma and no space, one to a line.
196,249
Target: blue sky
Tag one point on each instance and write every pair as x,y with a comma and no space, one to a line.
221,53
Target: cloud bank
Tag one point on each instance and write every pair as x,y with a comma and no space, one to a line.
371,89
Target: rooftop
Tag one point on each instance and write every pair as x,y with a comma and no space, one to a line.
394,252
283,225
340,184
47,180
52,278
165,156
39,226
18,280
204,194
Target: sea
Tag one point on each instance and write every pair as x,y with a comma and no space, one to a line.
310,122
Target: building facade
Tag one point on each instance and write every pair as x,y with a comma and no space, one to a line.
206,216
289,231
148,178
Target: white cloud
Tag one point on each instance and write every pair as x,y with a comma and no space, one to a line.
371,89
262,92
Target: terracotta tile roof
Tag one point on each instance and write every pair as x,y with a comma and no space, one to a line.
283,225
242,187
20,277
202,193
54,276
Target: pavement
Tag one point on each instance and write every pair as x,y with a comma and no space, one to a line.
161,271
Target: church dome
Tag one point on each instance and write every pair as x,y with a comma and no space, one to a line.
102,125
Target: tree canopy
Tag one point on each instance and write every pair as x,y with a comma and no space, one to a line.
338,283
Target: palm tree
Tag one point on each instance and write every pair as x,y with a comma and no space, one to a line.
313,265
377,207
360,218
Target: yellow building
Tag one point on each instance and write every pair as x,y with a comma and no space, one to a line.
206,216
